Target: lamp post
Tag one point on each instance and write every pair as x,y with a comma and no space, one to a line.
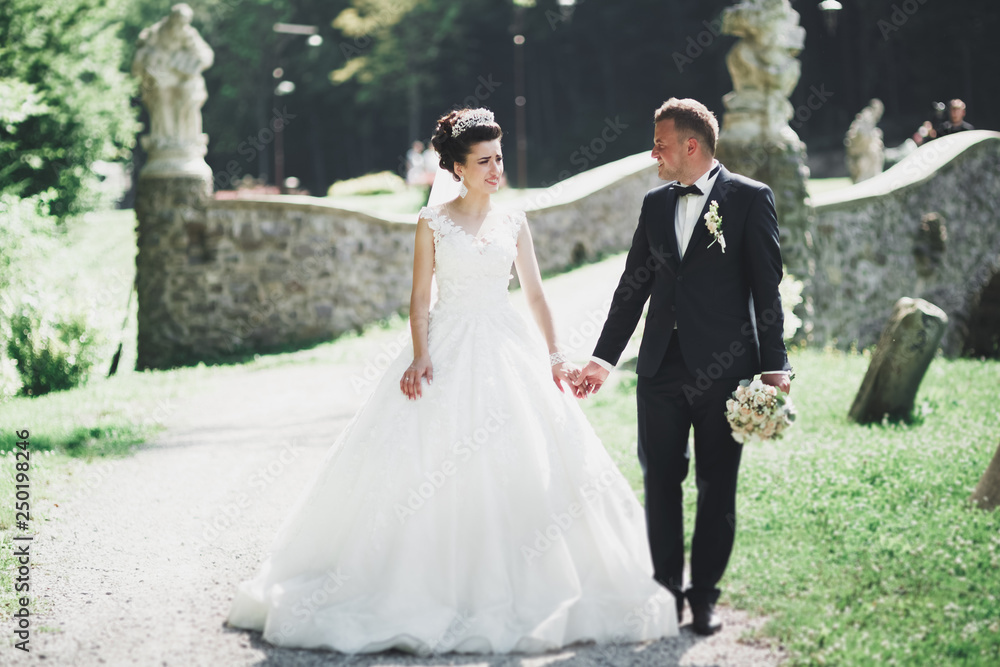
520,101
285,87
520,117
830,9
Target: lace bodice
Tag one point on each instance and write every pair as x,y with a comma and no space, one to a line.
473,272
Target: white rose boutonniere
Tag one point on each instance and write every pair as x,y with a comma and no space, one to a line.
713,221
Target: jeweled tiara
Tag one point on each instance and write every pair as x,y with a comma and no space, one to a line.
472,119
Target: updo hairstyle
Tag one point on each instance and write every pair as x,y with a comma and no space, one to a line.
453,150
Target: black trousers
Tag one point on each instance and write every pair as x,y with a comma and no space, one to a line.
669,404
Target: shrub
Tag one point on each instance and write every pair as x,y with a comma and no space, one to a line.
383,182
50,353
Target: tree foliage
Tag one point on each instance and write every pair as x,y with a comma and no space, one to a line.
64,99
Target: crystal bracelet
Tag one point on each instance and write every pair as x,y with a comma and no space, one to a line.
557,358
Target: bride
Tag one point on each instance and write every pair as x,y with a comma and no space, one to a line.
470,508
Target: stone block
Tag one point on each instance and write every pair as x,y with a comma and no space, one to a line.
987,492
275,229
248,238
904,352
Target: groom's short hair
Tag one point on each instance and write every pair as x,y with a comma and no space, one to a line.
690,117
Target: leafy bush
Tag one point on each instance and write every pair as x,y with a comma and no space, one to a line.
384,182
39,351
65,102
51,353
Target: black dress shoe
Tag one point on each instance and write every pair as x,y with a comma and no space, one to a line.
705,622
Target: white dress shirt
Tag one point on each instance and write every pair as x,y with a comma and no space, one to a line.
686,217
689,208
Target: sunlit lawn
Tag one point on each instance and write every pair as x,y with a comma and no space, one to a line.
859,540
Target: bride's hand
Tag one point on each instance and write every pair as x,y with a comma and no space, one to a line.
410,383
567,372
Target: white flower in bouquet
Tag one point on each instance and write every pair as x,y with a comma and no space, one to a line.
758,411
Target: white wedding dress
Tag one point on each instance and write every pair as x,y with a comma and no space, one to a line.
484,517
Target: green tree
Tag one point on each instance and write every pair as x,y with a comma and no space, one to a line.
64,100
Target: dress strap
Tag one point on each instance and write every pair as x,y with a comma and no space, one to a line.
517,219
436,220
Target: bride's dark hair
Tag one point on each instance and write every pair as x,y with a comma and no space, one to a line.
451,149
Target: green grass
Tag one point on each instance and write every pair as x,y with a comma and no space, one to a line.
859,541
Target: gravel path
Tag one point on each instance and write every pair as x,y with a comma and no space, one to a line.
138,565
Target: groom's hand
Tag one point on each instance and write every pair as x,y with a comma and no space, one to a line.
779,380
591,378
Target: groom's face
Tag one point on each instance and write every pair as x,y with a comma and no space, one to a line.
668,151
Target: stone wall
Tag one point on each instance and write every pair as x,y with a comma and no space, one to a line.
220,278
929,227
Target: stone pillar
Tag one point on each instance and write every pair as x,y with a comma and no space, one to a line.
174,185
755,139
905,350
171,220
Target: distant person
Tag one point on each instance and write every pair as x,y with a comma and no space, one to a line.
956,123
431,159
416,169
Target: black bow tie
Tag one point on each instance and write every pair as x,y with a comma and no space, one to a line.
687,190
682,190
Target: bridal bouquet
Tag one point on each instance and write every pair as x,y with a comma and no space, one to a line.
758,411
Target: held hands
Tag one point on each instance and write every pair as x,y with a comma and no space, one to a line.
590,379
410,384
568,373
779,380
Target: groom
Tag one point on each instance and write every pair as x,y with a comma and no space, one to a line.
714,318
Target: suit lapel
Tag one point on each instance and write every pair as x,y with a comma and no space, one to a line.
699,237
668,228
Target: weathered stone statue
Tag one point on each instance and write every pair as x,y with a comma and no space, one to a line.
756,139
765,70
903,354
987,493
865,150
170,58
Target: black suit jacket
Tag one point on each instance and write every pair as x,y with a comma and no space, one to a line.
723,333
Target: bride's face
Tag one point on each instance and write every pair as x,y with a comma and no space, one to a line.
483,167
